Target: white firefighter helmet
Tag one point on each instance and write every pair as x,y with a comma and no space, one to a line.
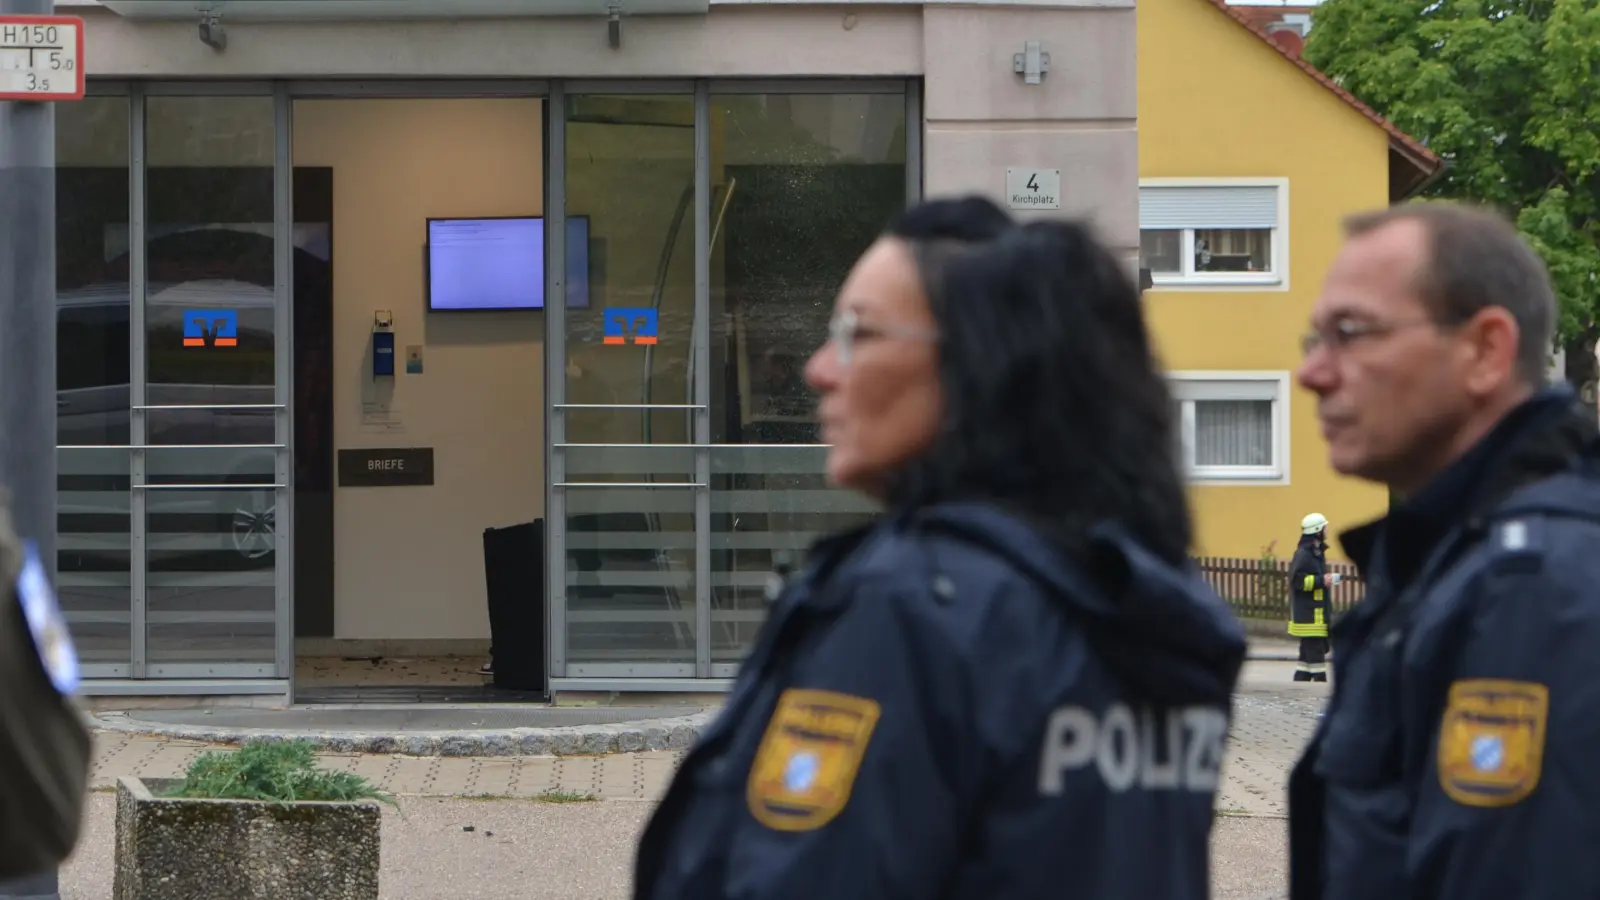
1313,523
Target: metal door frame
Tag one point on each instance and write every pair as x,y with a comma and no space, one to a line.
139,675
702,675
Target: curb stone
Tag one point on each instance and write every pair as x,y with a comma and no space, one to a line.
676,733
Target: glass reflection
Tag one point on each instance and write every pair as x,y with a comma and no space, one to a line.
93,368
209,331
802,184
630,588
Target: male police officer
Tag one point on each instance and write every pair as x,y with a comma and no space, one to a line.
1460,753
44,746
1309,580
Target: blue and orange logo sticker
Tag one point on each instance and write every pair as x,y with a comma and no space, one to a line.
638,325
210,328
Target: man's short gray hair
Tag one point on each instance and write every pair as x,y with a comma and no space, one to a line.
1476,259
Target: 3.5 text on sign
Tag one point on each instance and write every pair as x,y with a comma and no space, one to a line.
41,58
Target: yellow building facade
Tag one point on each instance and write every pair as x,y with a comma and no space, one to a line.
1248,160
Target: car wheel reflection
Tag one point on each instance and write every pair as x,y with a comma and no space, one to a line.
255,531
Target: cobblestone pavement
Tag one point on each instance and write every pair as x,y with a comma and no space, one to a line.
567,850
1272,720
530,850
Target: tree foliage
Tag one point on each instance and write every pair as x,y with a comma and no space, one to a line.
1508,93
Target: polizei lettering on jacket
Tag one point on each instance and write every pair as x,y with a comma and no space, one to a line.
1169,749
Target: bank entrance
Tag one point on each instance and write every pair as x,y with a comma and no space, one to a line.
654,419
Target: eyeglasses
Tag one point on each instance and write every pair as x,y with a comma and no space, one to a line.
846,329
1344,332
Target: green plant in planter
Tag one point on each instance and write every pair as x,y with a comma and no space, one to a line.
276,772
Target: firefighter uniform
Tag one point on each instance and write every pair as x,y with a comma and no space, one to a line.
1459,757
44,744
1309,607
941,705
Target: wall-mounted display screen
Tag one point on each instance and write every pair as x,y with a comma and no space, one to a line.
498,263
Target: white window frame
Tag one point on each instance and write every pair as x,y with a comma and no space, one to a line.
1276,280
1191,386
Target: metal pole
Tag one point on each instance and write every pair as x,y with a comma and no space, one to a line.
28,339
28,311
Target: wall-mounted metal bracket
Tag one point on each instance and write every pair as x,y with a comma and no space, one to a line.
212,34
1032,63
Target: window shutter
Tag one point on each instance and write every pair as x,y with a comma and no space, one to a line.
1213,206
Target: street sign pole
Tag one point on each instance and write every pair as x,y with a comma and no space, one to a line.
28,301
40,61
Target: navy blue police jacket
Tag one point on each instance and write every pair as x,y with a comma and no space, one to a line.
940,706
1459,757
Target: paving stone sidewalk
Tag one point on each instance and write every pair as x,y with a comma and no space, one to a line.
1270,727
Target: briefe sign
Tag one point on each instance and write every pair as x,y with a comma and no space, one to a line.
41,58
386,467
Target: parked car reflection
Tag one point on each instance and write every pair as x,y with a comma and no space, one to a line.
218,433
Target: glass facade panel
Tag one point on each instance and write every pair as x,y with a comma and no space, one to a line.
768,506
93,378
210,374
688,461
629,559
210,545
94,579
801,185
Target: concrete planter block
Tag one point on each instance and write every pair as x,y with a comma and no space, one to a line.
180,849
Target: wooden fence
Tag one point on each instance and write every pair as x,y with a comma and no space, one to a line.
1259,589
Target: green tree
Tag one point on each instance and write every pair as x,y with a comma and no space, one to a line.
1508,93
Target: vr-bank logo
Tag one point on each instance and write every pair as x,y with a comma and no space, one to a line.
210,328
640,323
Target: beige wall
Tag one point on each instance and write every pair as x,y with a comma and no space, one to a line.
778,40
982,118
409,560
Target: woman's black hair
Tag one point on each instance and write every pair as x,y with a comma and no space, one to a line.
1054,404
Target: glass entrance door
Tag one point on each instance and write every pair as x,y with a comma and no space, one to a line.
623,467
172,381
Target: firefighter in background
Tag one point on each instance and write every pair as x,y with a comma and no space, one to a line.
1309,607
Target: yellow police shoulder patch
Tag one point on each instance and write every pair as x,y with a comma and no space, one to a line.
1491,741
808,758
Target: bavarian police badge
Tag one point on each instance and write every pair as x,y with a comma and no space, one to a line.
1491,741
45,622
808,759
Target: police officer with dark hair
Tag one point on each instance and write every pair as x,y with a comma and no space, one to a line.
1309,607
1014,684
1459,757
44,744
